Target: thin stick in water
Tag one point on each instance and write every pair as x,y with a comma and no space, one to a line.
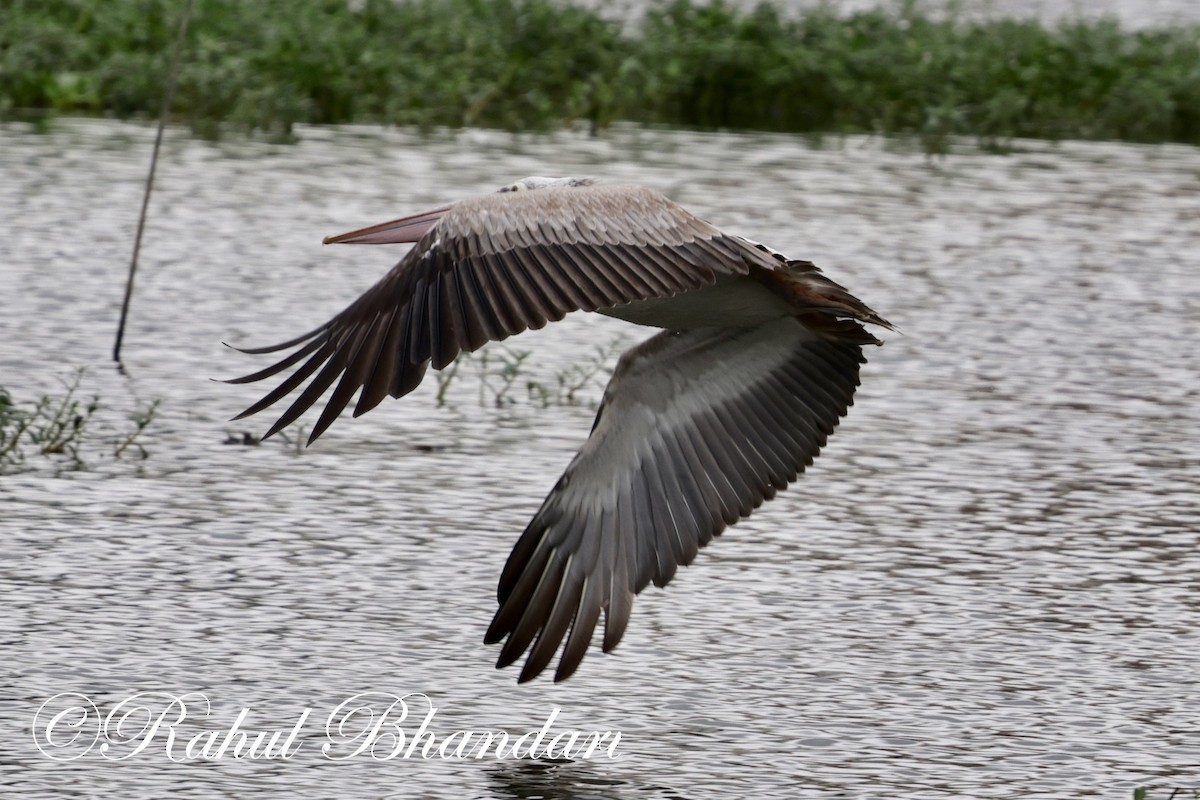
162,123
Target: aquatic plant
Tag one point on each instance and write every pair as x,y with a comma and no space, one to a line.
536,64
571,382
58,424
51,426
498,370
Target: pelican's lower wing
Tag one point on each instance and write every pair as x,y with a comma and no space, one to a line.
697,428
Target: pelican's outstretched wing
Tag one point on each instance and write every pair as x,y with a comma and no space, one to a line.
491,267
696,429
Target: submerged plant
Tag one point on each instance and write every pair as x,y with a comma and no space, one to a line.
496,375
53,426
499,372
58,425
574,379
293,438
141,419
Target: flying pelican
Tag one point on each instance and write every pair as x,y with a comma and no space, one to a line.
758,360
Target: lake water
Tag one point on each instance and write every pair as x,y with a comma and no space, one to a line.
986,586
1129,13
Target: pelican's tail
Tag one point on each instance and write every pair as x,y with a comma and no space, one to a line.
823,305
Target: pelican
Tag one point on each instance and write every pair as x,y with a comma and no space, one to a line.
757,361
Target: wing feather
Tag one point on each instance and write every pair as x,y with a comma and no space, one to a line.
323,380
454,338
327,349
379,378
278,367
363,358
480,311
491,267
697,429
558,621
668,539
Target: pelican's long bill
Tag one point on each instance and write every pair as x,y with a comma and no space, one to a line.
399,231
757,362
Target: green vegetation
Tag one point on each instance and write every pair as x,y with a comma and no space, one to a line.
537,64
498,370
57,426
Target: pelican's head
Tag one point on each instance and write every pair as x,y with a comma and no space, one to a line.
535,182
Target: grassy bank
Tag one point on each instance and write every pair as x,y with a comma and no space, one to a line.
535,65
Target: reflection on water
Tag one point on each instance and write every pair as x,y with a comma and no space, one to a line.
566,780
985,586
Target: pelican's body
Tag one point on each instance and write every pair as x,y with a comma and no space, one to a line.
758,360
730,301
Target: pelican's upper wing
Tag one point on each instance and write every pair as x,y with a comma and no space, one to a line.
494,266
696,430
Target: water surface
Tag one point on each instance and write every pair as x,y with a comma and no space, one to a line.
986,586
1129,13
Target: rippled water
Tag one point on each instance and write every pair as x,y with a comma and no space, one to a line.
986,586
1129,13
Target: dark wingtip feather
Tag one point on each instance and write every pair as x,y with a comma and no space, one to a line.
529,672
275,348
281,365
616,619
566,670
493,635
321,426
